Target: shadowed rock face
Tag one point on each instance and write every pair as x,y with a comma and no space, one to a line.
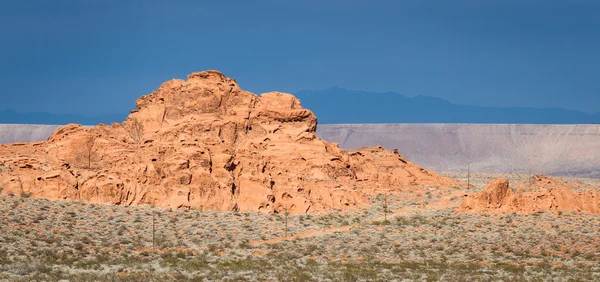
544,193
567,150
204,143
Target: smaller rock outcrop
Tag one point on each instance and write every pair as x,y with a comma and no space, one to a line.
543,194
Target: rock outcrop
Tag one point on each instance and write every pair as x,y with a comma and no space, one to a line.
204,143
541,193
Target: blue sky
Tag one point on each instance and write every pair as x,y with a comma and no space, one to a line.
96,57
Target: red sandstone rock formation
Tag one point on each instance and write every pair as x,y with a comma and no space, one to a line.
204,143
546,194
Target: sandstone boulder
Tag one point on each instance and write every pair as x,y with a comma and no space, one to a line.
493,196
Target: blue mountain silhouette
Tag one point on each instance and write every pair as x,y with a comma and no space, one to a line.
339,105
10,116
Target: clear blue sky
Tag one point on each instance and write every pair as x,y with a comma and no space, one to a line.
96,57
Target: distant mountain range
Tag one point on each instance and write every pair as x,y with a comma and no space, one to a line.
342,106
10,116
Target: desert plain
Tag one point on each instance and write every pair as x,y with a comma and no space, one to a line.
207,182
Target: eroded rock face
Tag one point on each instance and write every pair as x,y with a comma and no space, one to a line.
204,143
542,193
